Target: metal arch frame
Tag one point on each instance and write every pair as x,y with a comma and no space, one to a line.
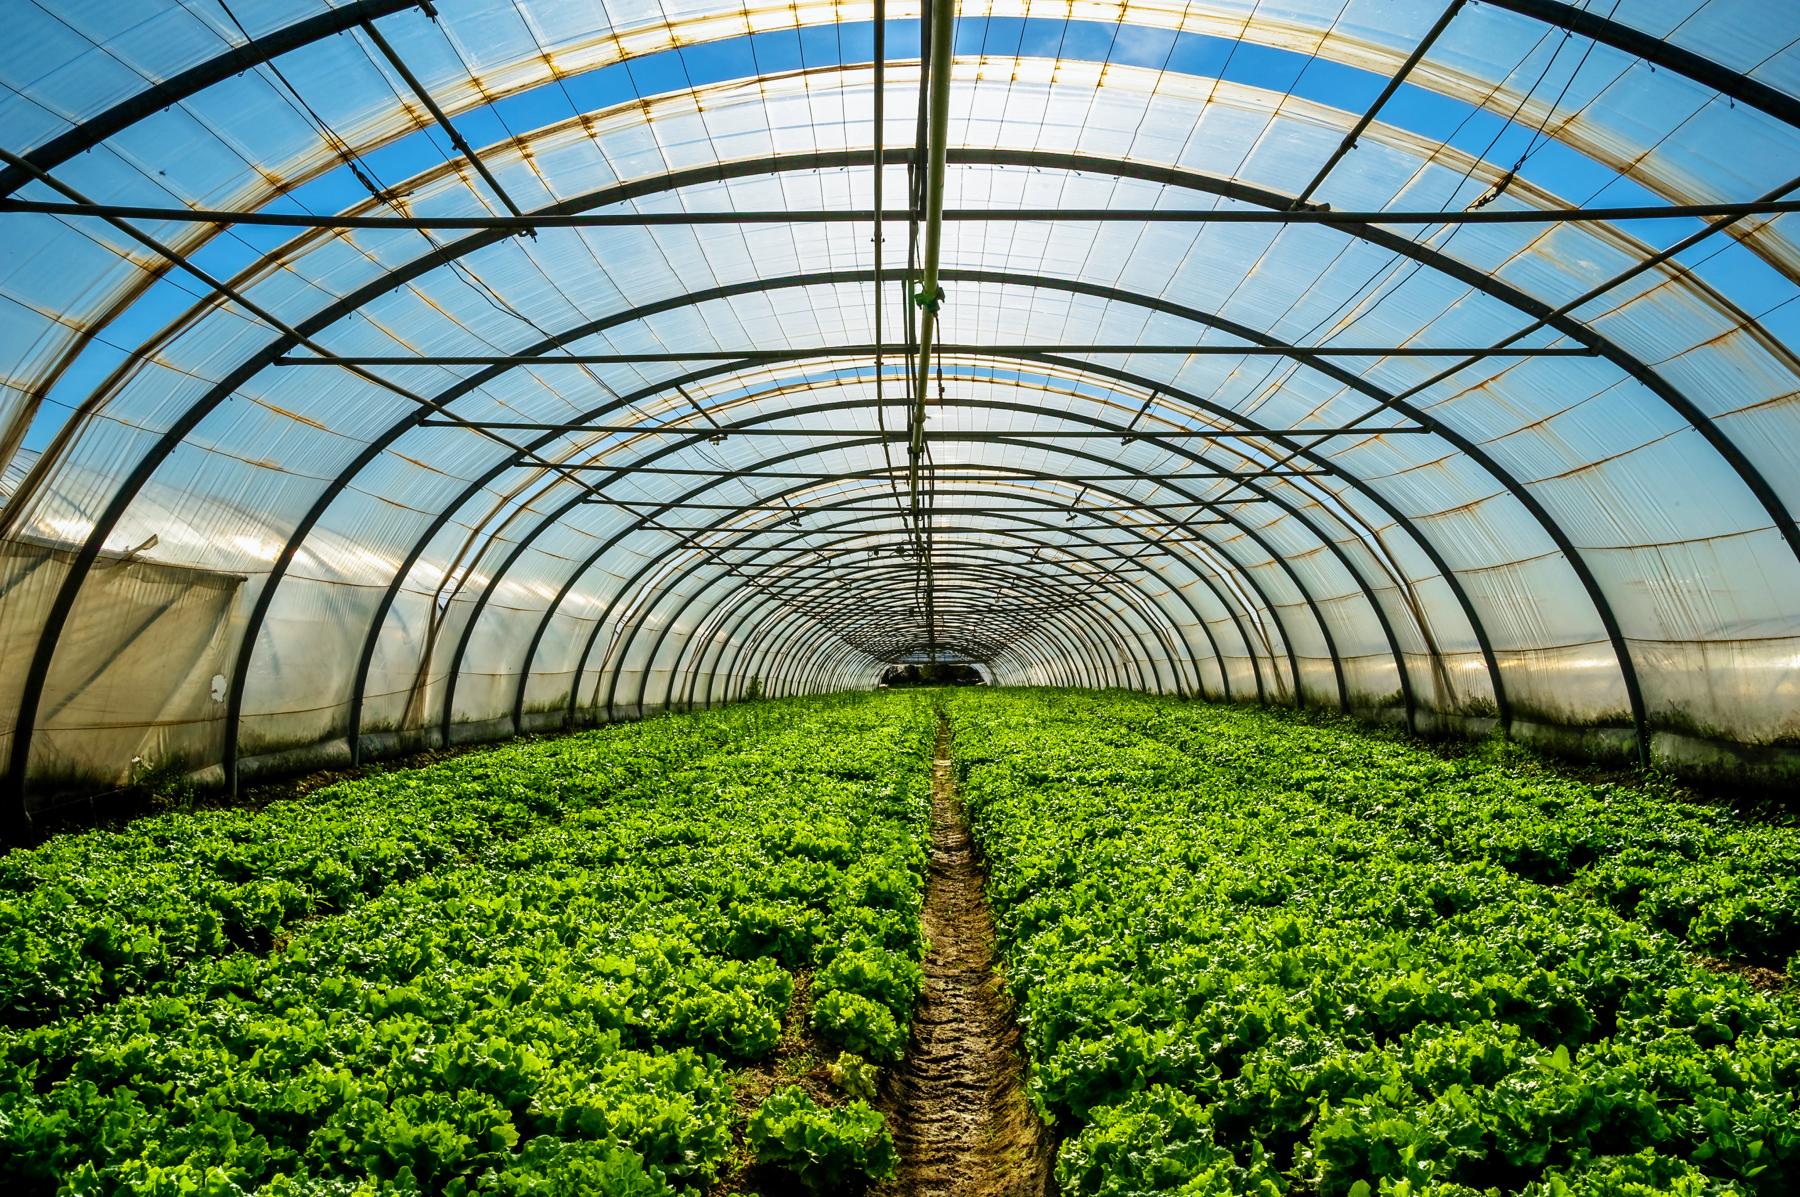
62,605
265,48
828,673
64,602
171,91
683,301
1362,487
778,663
1085,661
985,627
90,133
1041,647
700,632
359,689
722,621
703,641
1253,533
792,632
1083,666
1083,640
1425,545
1659,53
628,585
1624,37
1330,543
1567,325
1161,627
962,565
732,622
704,638
958,564
1368,490
1190,564
1502,477
375,447
1548,11
575,574
1248,530
444,516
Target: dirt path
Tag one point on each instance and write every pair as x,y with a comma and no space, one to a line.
957,1105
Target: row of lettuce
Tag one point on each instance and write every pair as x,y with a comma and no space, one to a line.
544,969
1261,954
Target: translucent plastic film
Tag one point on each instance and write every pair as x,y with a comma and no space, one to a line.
276,488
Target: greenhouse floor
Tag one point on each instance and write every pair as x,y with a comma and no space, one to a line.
973,941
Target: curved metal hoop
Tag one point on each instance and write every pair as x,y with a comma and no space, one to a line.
62,605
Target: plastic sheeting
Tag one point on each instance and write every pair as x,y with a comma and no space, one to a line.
212,555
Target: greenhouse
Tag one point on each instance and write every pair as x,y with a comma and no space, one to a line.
963,597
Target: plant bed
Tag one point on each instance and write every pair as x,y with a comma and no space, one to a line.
1260,953
544,971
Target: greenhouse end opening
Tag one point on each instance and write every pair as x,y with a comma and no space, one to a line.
935,597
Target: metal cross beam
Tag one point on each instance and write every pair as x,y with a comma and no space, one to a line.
591,220
1009,350
785,527
973,434
1048,502
443,120
1355,131
941,468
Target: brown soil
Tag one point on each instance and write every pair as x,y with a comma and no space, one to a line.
957,1104
1767,979
800,1058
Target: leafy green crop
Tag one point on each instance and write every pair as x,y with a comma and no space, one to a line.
1256,953
526,971
829,1150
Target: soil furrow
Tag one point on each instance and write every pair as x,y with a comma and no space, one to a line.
957,1105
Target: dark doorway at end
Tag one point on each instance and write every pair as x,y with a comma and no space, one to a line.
942,673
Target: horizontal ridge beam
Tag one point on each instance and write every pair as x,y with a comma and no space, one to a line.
1004,349
596,220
